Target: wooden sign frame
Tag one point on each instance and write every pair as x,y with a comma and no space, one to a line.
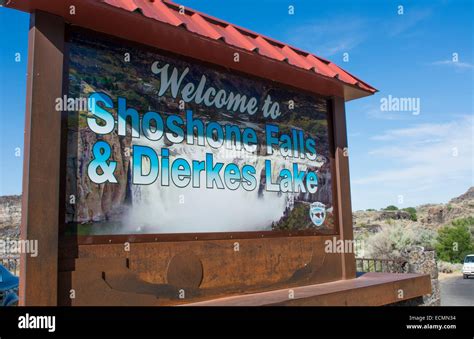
132,238
42,204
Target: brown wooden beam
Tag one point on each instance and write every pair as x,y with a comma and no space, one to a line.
343,194
371,289
40,201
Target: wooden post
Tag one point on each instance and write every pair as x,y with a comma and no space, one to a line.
343,183
40,201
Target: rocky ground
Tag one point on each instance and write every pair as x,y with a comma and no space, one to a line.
430,216
387,233
10,216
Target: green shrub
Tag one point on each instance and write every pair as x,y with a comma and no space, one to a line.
469,221
454,241
391,208
412,212
391,241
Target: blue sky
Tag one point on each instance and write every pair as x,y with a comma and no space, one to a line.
396,157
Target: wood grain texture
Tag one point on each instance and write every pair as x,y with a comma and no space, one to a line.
40,201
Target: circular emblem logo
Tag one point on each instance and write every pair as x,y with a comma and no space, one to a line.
317,213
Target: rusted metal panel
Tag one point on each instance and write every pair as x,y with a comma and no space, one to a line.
111,281
257,262
257,265
40,201
185,270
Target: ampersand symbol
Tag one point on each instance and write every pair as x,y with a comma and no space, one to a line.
101,152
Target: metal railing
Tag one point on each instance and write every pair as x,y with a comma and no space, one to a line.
381,265
11,263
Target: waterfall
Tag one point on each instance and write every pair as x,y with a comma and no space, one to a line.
170,209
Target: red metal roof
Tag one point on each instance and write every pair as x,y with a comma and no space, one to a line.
134,20
213,28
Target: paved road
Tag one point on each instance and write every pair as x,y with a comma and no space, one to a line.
456,291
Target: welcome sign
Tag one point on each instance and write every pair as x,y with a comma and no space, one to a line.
168,145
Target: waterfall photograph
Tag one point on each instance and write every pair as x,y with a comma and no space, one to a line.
290,146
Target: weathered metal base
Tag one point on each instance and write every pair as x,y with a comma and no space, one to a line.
370,289
110,282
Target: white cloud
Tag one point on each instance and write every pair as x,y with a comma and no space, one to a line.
329,37
419,132
377,113
408,20
456,64
373,111
424,155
